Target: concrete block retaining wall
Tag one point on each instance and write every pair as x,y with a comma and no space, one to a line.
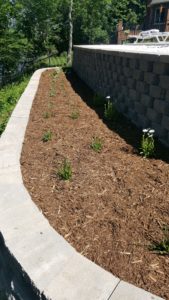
137,80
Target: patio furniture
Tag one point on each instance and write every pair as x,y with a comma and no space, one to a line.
151,35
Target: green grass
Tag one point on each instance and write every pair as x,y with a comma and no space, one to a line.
54,61
9,95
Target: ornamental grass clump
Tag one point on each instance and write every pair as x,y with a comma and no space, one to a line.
147,143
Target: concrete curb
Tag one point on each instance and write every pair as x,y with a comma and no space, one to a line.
35,261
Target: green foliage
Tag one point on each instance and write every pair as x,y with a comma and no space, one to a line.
9,95
96,144
161,247
47,136
110,112
65,172
46,115
74,115
147,143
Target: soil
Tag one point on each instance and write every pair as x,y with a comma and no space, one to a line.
117,203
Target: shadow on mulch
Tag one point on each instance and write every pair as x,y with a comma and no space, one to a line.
125,129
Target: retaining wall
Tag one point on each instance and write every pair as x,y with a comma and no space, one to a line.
136,77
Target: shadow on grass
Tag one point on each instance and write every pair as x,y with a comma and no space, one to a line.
122,126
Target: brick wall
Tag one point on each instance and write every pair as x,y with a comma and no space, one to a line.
137,82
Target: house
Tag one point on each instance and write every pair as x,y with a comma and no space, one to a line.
157,15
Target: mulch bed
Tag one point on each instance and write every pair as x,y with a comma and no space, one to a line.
117,202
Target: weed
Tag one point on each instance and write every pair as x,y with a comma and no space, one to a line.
65,172
74,115
162,247
110,112
147,143
52,93
47,136
96,144
46,115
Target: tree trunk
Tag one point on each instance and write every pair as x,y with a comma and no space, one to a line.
69,56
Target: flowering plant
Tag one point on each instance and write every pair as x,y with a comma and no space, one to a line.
147,143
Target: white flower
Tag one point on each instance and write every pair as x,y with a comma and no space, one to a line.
108,97
151,131
145,130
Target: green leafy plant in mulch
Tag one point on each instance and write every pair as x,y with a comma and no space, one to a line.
46,115
147,143
110,112
65,172
161,247
96,144
47,136
75,115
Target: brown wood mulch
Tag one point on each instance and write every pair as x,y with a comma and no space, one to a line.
117,203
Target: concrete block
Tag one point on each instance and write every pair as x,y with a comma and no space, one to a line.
159,130
153,116
142,121
151,78
157,92
164,82
165,122
133,95
160,68
126,291
142,87
146,66
91,282
138,75
161,106
140,108
147,100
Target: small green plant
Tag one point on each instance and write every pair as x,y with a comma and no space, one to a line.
147,143
110,112
52,93
74,115
96,144
46,115
98,100
162,247
65,172
47,136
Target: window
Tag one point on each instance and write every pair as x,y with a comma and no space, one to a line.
159,15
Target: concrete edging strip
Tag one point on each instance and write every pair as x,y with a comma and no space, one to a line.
45,261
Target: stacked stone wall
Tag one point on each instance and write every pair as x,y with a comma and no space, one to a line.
138,83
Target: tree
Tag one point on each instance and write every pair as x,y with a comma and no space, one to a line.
70,33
